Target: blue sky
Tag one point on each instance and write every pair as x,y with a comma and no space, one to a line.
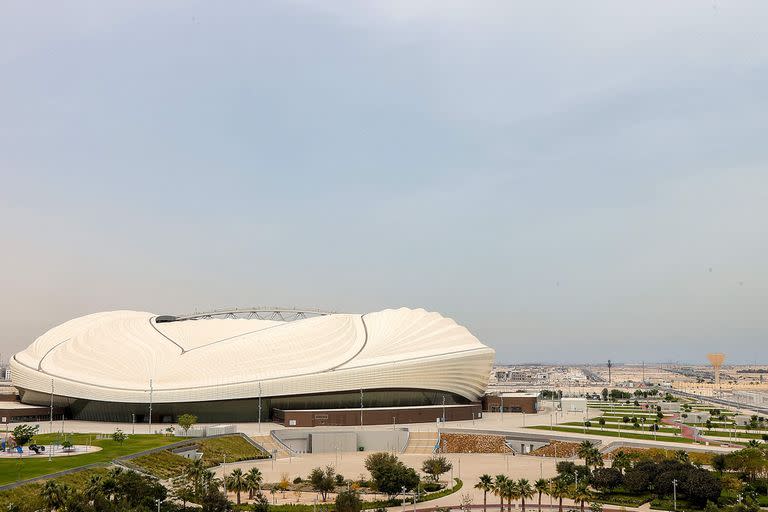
573,181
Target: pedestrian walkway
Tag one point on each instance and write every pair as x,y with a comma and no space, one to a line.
421,442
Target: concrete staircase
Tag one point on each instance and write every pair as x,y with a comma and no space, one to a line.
421,442
268,443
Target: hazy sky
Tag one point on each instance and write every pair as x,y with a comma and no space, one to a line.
573,181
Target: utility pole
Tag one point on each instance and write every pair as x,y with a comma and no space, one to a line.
150,405
609,371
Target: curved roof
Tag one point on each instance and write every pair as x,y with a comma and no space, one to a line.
113,356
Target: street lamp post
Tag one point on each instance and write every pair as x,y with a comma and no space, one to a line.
674,493
150,405
50,447
259,406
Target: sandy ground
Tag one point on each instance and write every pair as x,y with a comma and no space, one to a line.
468,467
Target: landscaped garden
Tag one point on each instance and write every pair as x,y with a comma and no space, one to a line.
734,482
31,466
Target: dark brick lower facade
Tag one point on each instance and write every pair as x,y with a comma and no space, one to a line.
376,416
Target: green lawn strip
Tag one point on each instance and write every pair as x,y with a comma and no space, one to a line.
668,504
626,428
624,434
166,464
367,505
623,499
14,469
163,464
234,447
30,494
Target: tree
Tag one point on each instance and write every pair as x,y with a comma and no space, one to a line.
621,461
389,475
584,449
701,486
253,482
499,484
540,486
67,445
601,421
510,491
636,481
560,490
322,480
485,484
260,503
606,478
604,392
581,494
525,491
236,481
119,436
348,501
186,421
436,466
195,474
719,462
23,434
53,495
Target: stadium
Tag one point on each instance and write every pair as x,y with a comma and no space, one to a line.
300,368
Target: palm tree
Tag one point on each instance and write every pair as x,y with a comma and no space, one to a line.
485,484
540,486
585,451
498,489
559,490
581,494
236,482
595,458
525,491
194,475
621,461
52,495
253,480
94,489
511,492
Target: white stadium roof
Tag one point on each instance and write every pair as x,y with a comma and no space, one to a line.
112,356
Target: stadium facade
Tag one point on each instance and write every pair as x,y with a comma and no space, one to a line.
120,365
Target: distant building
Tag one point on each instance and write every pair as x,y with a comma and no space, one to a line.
573,404
528,403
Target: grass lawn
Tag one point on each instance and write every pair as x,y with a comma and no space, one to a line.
623,499
626,427
13,469
615,433
165,464
30,494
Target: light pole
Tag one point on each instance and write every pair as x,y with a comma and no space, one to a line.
150,405
259,406
50,428
674,493
133,423
403,498
443,410
361,408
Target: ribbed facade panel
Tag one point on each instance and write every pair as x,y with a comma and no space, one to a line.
111,357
